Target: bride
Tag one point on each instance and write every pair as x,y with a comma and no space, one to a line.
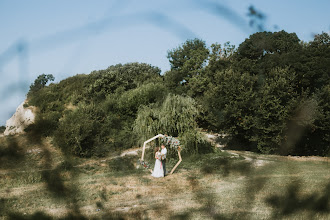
158,169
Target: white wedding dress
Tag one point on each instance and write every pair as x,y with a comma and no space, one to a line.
158,169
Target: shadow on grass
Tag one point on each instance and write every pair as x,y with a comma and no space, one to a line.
11,153
68,190
291,202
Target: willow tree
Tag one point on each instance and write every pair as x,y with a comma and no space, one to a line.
176,116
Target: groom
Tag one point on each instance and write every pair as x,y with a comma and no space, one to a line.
164,152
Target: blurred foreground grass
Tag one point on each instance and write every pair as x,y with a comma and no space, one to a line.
38,181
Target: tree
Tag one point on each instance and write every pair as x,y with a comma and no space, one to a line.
262,43
218,60
120,78
253,111
316,137
321,40
186,61
41,82
176,116
230,103
274,108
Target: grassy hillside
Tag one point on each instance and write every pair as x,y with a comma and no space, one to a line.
38,181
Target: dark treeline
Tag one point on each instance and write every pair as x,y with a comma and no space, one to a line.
270,95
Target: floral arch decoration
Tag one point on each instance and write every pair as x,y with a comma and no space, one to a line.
172,142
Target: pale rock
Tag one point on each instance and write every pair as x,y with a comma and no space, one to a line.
22,118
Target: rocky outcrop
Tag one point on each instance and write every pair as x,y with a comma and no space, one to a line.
23,117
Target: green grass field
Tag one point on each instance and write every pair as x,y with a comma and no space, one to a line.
37,181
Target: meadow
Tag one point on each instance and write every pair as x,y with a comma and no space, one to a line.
38,181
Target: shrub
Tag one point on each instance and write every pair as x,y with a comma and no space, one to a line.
129,102
45,123
120,78
78,131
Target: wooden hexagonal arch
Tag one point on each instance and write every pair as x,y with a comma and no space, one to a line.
161,136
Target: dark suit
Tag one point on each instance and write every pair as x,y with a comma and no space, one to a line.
164,151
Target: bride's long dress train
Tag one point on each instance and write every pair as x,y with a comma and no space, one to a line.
158,169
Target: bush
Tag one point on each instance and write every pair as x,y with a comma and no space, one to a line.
89,131
129,102
120,78
77,132
45,124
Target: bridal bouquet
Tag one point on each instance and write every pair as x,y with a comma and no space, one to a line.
161,156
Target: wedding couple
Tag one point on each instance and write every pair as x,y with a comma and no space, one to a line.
160,164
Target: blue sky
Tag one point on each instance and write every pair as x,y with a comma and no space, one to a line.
67,37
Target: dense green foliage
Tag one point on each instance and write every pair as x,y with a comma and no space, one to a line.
41,82
94,114
176,116
270,95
